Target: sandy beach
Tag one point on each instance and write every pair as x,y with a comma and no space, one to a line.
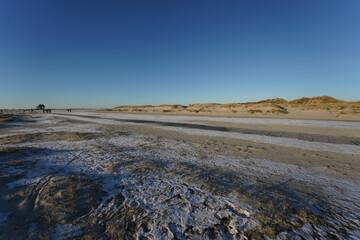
92,175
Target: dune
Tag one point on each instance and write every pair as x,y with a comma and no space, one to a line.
317,100
320,107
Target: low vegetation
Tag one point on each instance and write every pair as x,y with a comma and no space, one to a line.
273,106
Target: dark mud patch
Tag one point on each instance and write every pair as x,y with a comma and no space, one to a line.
124,222
18,160
14,152
9,120
17,119
53,136
72,121
5,118
301,136
63,200
36,210
33,209
166,124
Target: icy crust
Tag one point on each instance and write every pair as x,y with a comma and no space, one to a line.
174,205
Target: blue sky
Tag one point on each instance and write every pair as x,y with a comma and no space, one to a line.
109,53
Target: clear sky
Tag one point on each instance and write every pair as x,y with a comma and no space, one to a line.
72,53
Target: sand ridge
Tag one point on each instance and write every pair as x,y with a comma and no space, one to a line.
323,108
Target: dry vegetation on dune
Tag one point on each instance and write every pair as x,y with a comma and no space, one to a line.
326,103
276,106
274,101
317,101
